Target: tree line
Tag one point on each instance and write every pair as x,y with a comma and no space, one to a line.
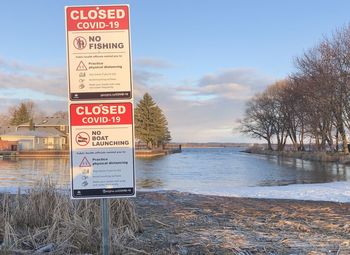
312,105
25,112
151,125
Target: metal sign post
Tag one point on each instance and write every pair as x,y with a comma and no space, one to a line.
105,226
100,95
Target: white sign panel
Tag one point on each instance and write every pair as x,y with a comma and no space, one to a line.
98,49
102,152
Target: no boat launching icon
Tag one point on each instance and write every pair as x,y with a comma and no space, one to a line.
82,138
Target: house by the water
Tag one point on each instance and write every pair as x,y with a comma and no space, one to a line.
44,134
49,136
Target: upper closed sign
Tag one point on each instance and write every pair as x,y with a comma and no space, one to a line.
99,52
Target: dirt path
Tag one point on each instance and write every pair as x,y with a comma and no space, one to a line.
182,223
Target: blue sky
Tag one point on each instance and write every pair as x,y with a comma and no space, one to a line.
200,60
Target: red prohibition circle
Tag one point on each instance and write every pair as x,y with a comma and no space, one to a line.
82,138
79,43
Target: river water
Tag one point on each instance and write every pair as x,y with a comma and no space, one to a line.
193,169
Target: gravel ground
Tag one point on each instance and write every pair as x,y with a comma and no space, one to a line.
183,223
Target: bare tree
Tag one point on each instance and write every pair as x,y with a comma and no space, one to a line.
276,96
258,121
4,119
324,90
295,108
313,102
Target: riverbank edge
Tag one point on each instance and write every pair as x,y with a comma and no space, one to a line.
65,153
155,153
334,157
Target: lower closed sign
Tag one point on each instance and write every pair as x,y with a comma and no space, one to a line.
102,150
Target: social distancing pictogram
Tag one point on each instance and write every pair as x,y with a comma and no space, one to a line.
85,163
81,66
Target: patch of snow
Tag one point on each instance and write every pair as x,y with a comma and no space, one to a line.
334,192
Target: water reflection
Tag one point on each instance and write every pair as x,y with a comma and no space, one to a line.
228,168
194,169
26,172
300,171
150,183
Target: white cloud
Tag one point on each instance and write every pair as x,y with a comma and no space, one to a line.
42,106
46,80
147,62
46,86
142,80
200,111
238,83
11,66
208,110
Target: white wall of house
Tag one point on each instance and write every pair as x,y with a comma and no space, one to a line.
26,143
54,143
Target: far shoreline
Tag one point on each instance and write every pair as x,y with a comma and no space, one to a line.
331,157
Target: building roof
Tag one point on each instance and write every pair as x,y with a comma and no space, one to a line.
35,133
7,129
47,121
50,130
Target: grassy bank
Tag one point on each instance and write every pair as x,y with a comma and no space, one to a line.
337,157
45,219
172,223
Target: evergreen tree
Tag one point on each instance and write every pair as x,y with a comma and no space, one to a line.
151,124
31,125
163,134
20,115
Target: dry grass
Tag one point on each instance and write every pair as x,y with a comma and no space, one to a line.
174,223
46,217
183,223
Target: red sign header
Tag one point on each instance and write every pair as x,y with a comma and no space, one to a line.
101,114
97,17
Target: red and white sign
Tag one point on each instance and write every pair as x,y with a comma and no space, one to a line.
101,114
114,17
102,150
98,52
99,74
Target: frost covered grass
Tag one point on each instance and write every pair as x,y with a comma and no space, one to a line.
45,218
